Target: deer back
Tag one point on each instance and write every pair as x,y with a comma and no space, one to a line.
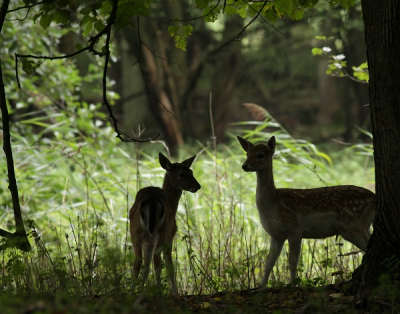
313,213
151,215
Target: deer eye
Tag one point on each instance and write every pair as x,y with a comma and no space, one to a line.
260,156
182,175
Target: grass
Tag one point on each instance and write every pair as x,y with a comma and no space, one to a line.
76,196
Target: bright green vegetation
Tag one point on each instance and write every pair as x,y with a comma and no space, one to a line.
77,184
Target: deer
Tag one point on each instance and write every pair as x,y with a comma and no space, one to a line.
296,214
152,219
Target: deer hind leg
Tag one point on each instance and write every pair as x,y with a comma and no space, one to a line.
359,237
148,253
138,259
170,266
274,252
294,254
157,265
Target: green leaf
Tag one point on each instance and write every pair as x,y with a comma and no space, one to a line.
270,15
211,14
85,11
28,66
87,30
62,3
46,20
347,4
201,4
106,7
180,42
325,156
321,38
62,16
173,30
86,19
187,30
230,10
36,16
316,51
297,14
361,72
283,7
99,26
242,12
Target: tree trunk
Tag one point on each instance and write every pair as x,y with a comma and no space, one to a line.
382,29
19,238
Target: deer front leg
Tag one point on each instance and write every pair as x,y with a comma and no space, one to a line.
170,266
294,254
274,252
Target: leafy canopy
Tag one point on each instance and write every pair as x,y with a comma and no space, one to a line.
94,15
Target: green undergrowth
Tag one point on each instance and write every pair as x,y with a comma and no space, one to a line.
76,191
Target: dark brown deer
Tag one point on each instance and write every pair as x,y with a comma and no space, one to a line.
152,219
295,214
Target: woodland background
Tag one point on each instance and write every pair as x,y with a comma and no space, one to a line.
270,65
77,181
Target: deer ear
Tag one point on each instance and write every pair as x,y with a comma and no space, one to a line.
271,145
188,162
164,162
246,145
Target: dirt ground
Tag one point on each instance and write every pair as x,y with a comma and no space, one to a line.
288,299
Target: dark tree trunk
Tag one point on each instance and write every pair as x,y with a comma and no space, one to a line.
19,238
382,29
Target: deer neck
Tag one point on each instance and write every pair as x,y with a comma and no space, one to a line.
266,192
172,193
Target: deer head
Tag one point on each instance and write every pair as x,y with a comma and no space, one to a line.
259,157
179,175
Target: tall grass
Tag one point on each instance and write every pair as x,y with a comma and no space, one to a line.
75,196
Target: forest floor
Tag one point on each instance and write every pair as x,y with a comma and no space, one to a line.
327,299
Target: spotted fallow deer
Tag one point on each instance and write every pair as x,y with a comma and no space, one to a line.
294,214
152,219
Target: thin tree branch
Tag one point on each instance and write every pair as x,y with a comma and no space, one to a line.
28,6
198,17
93,40
120,134
90,47
27,12
344,74
262,17
164,59
142,71
242,31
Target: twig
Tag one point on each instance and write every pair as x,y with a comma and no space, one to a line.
198,17
27,6
242,31
145,81
92,41
350,77
262,17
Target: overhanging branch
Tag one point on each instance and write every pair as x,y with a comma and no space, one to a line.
91,48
